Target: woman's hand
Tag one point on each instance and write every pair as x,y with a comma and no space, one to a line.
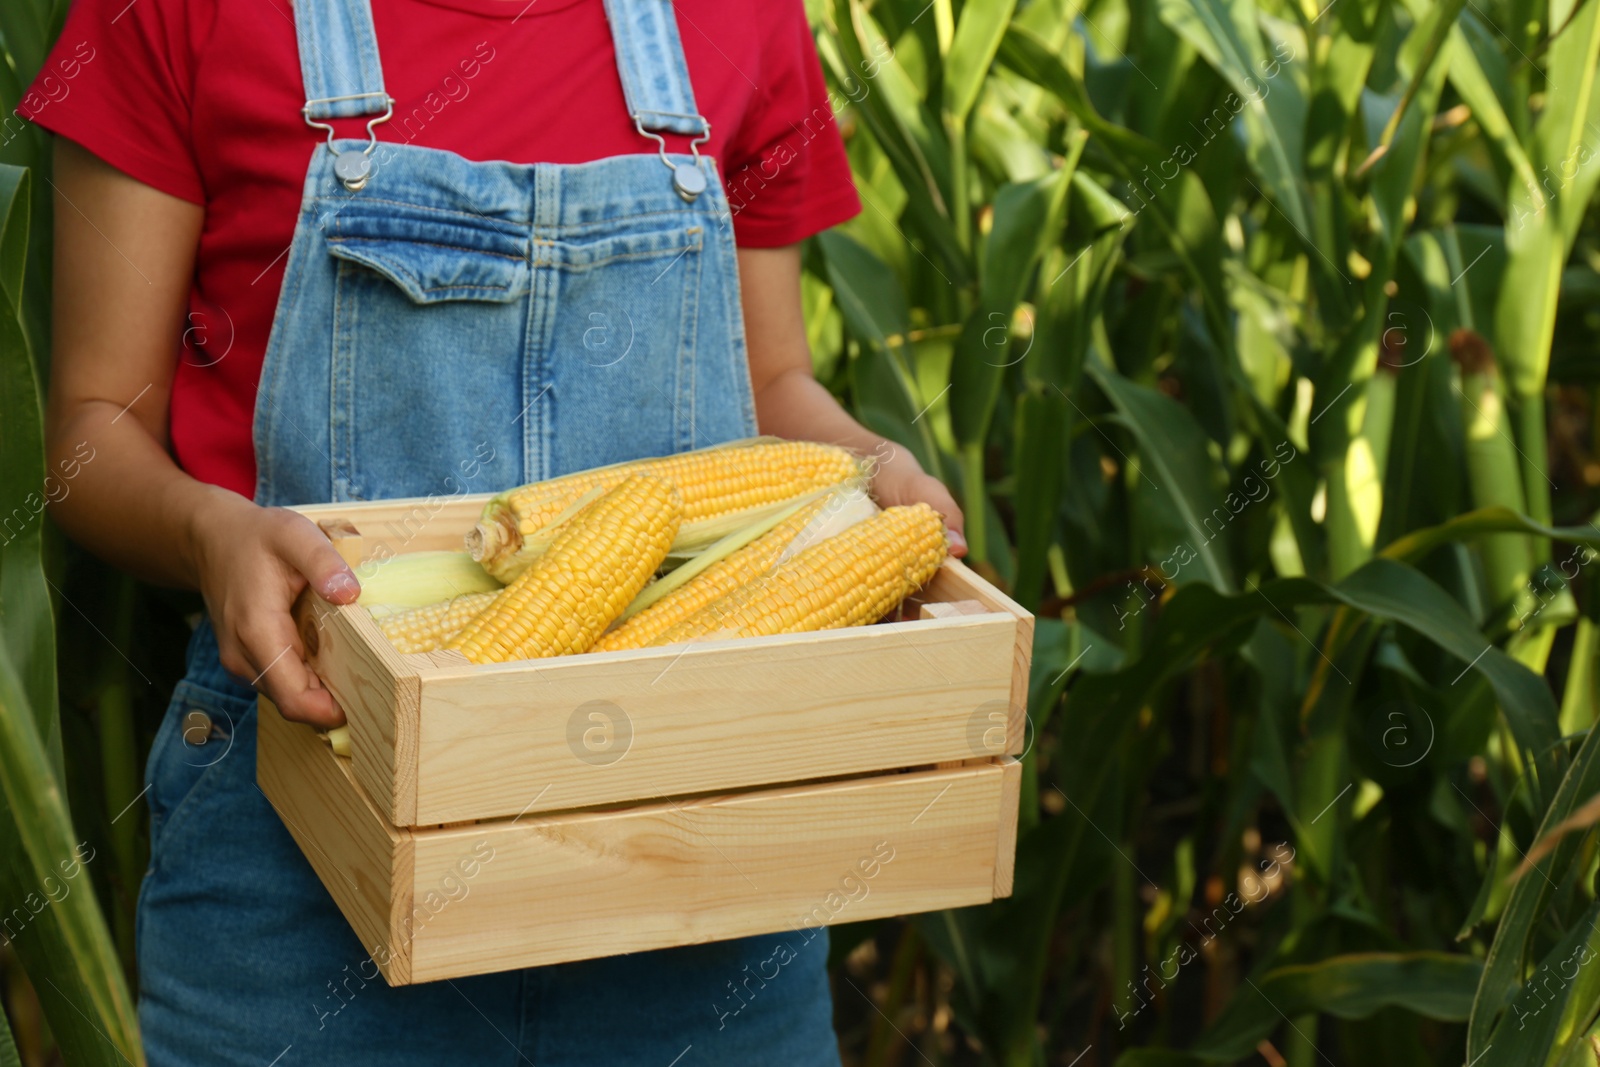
791,403
897,478
253,562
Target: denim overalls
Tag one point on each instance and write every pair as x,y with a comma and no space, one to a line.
448,326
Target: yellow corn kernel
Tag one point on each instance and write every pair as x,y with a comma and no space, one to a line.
716,581
597,564
430,626
851,579
713,482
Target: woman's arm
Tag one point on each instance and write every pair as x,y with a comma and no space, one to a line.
124,260
790,402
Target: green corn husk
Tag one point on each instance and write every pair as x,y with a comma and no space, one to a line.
719,550
412,579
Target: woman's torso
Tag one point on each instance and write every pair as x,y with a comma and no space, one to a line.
203,99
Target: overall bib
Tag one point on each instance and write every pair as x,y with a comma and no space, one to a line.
449,326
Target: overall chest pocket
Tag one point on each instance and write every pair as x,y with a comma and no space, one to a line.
621,337
471,353
432,255
430,320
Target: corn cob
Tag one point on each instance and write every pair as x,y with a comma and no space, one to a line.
429,627
714,482
721,578
598,563
851,579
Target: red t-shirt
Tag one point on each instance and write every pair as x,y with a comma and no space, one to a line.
201,99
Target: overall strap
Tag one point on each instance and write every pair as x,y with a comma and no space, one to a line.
339,59
655,78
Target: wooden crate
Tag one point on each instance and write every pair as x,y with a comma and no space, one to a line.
521,814
531,890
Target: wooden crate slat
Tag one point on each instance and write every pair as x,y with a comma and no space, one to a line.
955,581
577,886
379,693
720,715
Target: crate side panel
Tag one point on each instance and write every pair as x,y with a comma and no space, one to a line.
785,861
668,722
1005,860
956,582
378,692
417,524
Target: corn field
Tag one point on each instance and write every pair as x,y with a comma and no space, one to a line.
1260,341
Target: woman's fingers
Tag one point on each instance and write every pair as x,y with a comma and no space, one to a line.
926,489
307,551
273,648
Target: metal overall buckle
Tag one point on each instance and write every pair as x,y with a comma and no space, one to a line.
688,180
352,166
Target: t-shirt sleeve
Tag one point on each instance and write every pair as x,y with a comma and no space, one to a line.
118,82
788,176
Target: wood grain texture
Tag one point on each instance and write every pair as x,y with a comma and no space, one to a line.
418,524
949,610
379,693
940,609
956,582
544,889
1005,860
580,885
365,863
617,726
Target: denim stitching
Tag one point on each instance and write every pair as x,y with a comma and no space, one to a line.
428,244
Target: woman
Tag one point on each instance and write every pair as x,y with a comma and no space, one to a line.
344,252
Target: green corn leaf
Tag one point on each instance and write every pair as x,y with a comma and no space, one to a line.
1074,280
867,292
1564,141
926,209
1481,523
1174,449
25,30
1103,708
1580,700
8,1048
63,941
1271,104
1477,71
1556,1007
1027,220
1032,57
978,32
879,72
874,309
27,623
1389,590
1431,984
1405,132
1530,897
1155,1057
1181,207
1043,420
